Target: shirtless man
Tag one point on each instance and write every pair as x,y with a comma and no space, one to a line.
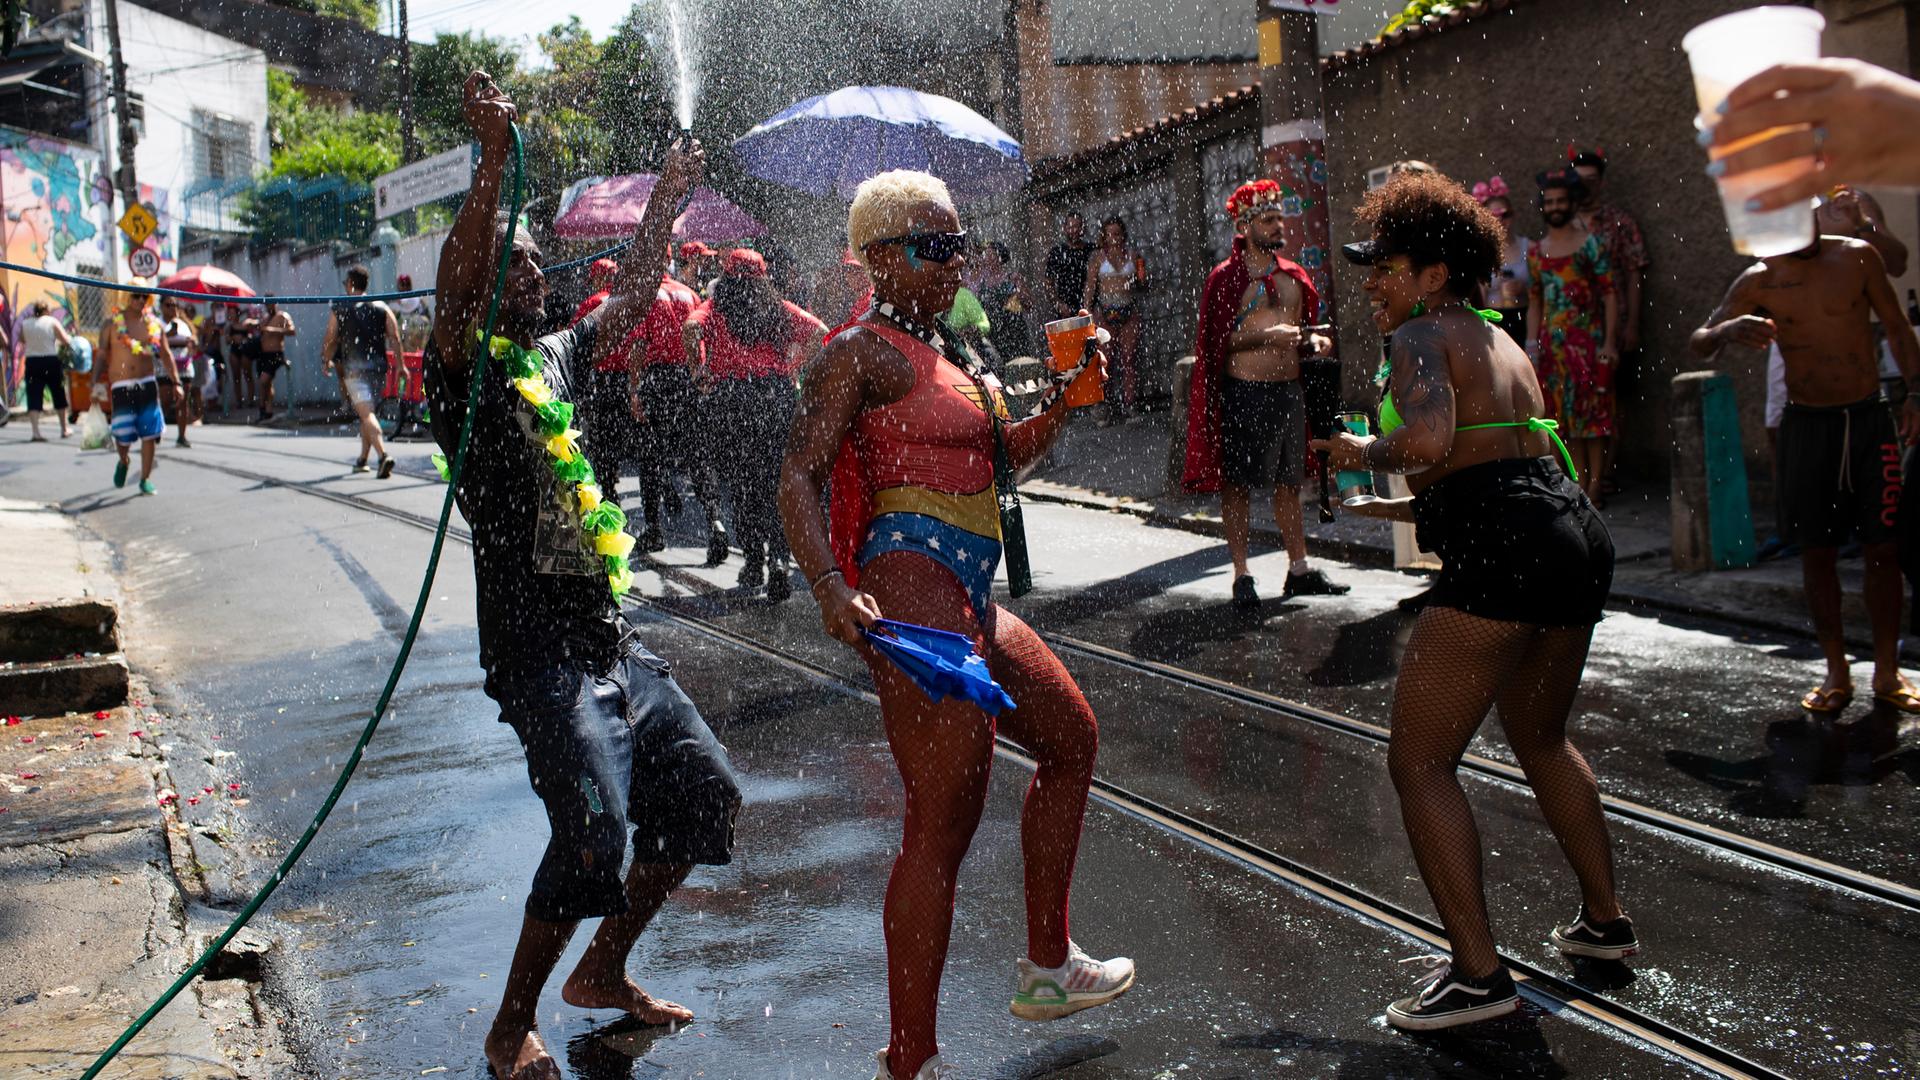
132,343
1246,421
611,741
1839,453
275,329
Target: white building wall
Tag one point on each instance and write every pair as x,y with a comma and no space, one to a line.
182,74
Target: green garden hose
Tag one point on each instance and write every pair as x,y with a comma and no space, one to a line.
393,676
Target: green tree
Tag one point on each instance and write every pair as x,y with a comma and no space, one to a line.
314,142
1416,11
440,72
364,12
311,141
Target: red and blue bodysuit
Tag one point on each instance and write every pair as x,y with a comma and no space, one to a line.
925,463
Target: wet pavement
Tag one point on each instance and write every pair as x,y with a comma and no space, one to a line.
283,610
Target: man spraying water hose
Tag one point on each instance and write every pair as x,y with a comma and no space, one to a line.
587,701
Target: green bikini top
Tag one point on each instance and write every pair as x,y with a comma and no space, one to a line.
1390,420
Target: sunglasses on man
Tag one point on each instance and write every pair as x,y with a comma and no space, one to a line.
933,247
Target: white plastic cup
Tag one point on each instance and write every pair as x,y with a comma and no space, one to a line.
1726,52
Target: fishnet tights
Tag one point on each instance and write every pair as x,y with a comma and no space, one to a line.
1456,667
945,755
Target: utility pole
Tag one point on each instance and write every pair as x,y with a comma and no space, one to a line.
124,177
1293,134
409,146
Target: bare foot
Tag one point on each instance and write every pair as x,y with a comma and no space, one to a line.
520,1055
583,992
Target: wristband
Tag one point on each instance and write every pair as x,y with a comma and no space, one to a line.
814,585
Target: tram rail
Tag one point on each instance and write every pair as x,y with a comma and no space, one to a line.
1544,987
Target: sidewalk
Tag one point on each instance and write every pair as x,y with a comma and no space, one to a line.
93,854
1125,469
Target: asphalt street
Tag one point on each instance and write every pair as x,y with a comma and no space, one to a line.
269,597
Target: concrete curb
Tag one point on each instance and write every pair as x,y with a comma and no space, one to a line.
1633,586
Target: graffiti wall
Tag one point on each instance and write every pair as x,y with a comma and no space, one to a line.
52,194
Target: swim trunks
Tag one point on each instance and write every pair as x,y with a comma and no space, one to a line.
1839,473
611,746
359,389
1518,541
1263,434
136,411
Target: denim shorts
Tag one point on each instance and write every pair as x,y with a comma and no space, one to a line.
611,751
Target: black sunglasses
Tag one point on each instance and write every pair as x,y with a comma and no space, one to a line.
933,247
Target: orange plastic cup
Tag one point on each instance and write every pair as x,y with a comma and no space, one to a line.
1066,343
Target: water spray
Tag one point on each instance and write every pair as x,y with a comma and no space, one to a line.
683,67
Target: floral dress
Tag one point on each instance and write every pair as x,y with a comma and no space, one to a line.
1573,291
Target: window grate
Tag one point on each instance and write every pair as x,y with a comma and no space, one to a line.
222,146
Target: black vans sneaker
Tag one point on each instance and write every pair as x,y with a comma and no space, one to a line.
1602,941
1245,596
1313,583
1447,998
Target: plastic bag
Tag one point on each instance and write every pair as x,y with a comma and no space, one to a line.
95,432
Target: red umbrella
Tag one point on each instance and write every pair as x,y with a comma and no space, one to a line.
210,280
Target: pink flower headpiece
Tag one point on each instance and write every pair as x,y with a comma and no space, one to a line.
1495,188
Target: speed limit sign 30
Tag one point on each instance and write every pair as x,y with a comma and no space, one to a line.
144,262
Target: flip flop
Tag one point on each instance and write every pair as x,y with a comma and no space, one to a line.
1827,700
1903,697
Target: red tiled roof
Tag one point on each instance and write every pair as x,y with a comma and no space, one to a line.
1427,27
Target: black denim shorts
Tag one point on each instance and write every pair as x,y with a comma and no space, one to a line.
610,751
1519,542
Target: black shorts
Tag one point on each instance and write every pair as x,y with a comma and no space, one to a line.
271,362
1263,433
1519,542
45,375
610,751
1839,474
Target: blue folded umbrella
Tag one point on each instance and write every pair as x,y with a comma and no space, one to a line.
941,663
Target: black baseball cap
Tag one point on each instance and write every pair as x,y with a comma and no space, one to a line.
1365,252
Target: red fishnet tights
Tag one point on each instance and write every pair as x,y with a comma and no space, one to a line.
945,755
1457,666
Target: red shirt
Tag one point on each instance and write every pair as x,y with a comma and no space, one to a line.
673,305
616,359
731,359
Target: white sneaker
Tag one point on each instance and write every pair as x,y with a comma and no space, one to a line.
932,1069
1080,983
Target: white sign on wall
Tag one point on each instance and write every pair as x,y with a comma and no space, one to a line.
423,181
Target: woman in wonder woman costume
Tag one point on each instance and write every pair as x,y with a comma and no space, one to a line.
899,415
1526,568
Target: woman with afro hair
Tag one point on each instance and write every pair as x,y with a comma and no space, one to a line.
1527,568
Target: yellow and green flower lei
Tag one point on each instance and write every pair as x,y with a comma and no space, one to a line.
602,525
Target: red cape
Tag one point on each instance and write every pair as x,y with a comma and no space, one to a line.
1219,304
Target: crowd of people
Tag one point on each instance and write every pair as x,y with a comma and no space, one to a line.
876,459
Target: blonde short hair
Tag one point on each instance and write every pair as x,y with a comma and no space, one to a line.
883,206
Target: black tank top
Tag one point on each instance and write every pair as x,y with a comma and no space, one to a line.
363,334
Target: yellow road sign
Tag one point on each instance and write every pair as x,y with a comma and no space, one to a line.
138,223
